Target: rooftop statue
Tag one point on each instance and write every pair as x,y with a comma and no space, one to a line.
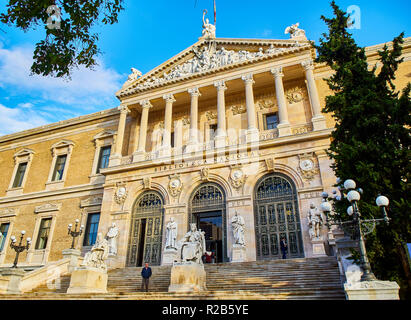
295,32
208,28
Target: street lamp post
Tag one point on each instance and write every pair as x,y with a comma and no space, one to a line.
19,248
353,196
75,233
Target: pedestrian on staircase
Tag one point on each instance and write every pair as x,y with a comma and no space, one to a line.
146,274
283,246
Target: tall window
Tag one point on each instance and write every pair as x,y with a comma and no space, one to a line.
4,229
213,131
44,233
59,168
104,158
172,140
21,170
91,229
271,121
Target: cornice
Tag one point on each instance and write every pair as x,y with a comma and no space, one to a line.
59,125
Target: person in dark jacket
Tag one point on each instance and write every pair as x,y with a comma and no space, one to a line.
146,274
283,246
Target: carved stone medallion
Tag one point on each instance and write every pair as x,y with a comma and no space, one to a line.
237,177
121,194
307,167
211,115
175,185
267,103
294,95
238,109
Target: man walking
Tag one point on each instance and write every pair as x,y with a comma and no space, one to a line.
146,274
283,246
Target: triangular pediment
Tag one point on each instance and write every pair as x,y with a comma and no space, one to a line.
210,56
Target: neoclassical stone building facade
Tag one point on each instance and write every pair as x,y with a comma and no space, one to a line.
226,127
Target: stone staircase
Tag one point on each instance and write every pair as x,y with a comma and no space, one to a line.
312,278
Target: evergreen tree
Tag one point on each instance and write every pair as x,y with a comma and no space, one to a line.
371,141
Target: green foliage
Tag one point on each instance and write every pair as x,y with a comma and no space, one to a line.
371,140
73,43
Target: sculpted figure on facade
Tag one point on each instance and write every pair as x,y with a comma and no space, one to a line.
135,74
171,234
315,222
111,237
96,257
193,245
208,28
295,32
238,225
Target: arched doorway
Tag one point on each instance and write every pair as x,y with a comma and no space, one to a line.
146,230
276,215
207,209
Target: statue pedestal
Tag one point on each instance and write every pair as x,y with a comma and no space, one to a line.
372,290
187,277
88,280
238,253
169,256
73,255
318,247
10,281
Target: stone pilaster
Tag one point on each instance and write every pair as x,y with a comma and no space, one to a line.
193,141
284,128
115,159
139,155
220,139
252,133
318,119
166,147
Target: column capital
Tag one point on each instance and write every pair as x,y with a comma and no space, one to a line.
220,85
248,78
169,98
146,104
277,72
308,64
123,109
194,92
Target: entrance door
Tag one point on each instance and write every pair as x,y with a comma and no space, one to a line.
207,210
146,231
212,224
276,216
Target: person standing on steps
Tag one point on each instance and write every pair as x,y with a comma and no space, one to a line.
283,246
146,274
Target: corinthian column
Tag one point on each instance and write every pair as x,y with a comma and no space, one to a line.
221,135
169,98
193,140
283,127
115,159
252,133
139,155
318,119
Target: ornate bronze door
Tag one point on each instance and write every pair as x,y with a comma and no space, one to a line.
146,230
276,215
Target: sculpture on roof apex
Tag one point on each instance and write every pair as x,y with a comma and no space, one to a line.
295,32
208,28
135,74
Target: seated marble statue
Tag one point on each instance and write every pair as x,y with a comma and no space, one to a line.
193,247
96,257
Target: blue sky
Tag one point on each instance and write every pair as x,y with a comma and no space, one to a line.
150,32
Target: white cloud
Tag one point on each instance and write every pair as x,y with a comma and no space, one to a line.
26,105
19,119
88,90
